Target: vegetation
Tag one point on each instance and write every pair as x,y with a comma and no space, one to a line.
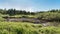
51,17
12,12
26,28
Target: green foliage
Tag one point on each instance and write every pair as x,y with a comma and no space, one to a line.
53,16
26,28
12,12
49,30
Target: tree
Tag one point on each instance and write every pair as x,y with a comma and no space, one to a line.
11,12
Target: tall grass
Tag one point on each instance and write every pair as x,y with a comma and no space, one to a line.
26,28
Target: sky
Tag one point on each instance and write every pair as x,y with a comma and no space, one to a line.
30,5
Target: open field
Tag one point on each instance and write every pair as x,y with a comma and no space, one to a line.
12,22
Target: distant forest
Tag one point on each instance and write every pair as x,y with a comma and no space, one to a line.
23,12
15,12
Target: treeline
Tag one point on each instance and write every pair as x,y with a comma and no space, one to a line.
23,12
53,10
15,12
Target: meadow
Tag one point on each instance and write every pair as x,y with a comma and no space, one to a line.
26,28
51,18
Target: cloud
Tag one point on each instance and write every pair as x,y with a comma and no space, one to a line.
18,4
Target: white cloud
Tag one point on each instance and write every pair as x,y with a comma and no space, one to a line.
18,4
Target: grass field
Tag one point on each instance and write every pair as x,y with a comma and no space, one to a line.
26,28
53,27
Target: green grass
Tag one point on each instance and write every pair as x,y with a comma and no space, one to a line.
53,16
26,28
30,28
